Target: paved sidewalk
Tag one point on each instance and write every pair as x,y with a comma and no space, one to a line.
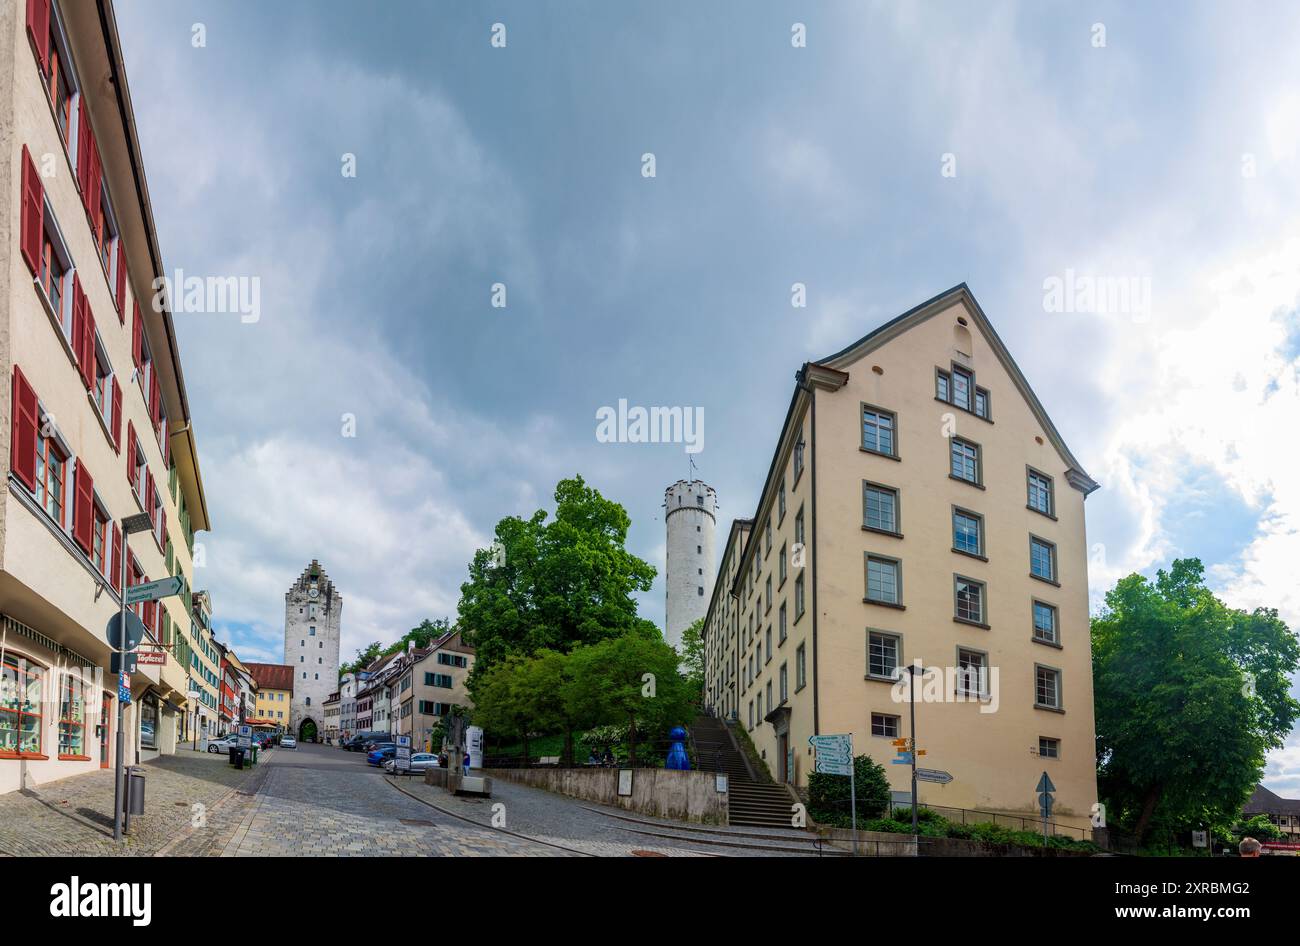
73,817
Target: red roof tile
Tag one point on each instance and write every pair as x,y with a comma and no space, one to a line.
272,676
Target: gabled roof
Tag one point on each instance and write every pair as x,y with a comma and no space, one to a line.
272,676
1262,801
961,293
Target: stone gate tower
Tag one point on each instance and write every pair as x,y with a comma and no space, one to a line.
690,508
313,610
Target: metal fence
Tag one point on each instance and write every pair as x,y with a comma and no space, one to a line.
649,755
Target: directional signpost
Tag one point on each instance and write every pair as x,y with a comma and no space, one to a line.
835,757
934,775
1045,801
154,590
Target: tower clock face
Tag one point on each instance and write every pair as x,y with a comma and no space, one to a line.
313,593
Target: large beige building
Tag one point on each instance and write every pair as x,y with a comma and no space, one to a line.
920,506
96,420
432,683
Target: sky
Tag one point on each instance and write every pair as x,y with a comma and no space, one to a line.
381,414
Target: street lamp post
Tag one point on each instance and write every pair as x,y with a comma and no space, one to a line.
140,522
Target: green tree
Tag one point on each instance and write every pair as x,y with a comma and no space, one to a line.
1257,827
557,584
365,656
631,680
503,704
828,795
692,648
1189,695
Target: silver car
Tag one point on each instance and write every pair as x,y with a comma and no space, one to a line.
419,762
288,742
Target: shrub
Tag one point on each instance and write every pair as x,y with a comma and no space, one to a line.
828,795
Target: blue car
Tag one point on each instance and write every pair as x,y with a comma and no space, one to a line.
377,755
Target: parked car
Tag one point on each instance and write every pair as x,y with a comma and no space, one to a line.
362,741
419,762
224,744
379,753
288,742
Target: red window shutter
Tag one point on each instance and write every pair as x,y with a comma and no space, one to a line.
137,337
149,496
162,526
115,567
88,368
130,454
85,146
121,281
33,217
117,415
38,28
83,511
26,423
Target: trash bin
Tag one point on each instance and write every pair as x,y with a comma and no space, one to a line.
135,790
237,757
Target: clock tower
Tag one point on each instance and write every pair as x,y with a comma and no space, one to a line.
312,618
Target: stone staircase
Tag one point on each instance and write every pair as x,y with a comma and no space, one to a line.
750,802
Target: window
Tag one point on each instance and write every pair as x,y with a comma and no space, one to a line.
965,460
967,532
877,431
438,680
970,600
798,597
1045,622
751,714
781,566
99,540
51,477
768,690
883,579
942,389
972,672
981,403
53,273
800,668
785,686
452,660
884,725
149,722
72,718
57,82
1049,748
883,651
798,528
1040,493
767,537
311,632
879,508
1042,559
798,458
20,706
768,638
782,623
961,388
767,592
780,503
1047,687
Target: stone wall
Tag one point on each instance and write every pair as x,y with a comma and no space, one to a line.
661,793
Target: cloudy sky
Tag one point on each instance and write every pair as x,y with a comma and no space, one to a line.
1093,139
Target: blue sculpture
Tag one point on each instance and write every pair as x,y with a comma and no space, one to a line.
677,757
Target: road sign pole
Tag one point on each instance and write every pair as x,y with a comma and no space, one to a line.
912,700
121,713
853,794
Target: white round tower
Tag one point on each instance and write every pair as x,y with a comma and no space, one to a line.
690,509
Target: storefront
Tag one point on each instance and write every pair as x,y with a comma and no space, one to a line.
51,709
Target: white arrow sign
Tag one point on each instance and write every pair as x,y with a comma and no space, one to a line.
153,590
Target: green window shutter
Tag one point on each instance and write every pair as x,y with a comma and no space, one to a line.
171,570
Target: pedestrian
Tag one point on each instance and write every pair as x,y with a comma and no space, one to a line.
1249,847
467,763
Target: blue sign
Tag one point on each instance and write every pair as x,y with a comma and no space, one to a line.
904,759
124,690
834,753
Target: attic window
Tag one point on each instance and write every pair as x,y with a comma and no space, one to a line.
877,369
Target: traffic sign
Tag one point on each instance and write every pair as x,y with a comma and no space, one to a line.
1045,803
115,662
402,754
1200,839
934,775
134,631
834,753
1045,784
153,590
904,758
124,689
245,736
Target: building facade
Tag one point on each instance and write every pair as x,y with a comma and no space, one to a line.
431,683
274,694
690,510
312,620
97,418
1283,813
920,506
